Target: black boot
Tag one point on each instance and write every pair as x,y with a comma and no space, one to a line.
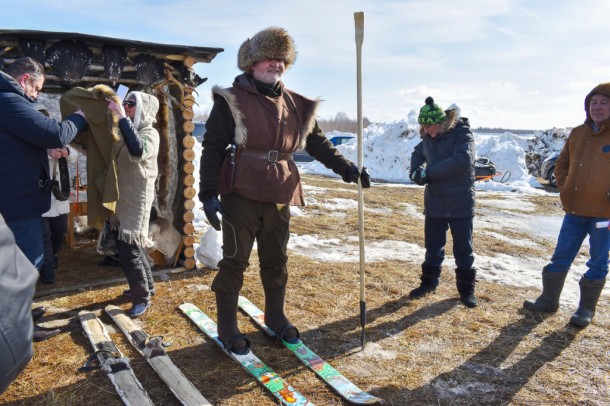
38,312
465,280
275,318
429,281
42,333
548,301
590,290
228,332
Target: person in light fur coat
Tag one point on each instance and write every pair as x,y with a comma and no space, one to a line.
136,156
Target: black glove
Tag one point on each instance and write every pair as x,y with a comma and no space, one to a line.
419,176
352,174
211,206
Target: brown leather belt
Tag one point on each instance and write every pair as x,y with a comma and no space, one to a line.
271,155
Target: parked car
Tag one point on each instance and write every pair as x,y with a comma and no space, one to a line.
199,130
547,170
303,156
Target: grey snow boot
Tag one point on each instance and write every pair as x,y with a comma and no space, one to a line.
590,290
275,318
548,301
429,281
228,332
465,281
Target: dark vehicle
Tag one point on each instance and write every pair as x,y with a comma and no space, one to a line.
199,130
547,170
303,156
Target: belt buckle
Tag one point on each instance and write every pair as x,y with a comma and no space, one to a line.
272,155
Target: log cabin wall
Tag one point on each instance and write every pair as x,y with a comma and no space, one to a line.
73,59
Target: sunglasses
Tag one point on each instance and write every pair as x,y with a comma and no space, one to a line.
129,103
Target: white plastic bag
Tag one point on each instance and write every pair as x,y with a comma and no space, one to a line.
209,251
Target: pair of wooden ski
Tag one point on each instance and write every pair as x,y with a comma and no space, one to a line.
283,391
118,369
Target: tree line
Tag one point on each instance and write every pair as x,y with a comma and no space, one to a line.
340,122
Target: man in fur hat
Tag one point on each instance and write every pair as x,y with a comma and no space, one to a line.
583,178
253,129
444,162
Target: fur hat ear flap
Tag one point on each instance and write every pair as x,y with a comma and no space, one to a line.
270,43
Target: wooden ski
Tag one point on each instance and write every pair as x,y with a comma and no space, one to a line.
343,386
283,391
112,362
154,352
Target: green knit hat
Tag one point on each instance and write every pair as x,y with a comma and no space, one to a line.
431,113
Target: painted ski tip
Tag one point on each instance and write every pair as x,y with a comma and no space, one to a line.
278,387
342,386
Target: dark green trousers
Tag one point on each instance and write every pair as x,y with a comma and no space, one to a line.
247,221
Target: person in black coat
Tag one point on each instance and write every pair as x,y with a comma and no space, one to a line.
444,162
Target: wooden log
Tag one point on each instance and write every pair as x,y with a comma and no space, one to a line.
189,204
188,229
188,168
188,114
189,192
188,126
189,180
188,141
189,252
190,263
188,154
188,241
189,101
188,216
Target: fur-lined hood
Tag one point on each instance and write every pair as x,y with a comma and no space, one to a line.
452,116
603,89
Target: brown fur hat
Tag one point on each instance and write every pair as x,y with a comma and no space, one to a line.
270,43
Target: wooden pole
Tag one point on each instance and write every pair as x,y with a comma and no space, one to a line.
359,23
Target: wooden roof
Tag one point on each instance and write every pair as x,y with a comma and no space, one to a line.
74,59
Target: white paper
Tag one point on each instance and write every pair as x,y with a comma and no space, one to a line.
122,91
601,224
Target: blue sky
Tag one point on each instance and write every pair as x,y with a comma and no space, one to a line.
506,63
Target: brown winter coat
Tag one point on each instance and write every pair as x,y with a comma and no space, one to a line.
583,167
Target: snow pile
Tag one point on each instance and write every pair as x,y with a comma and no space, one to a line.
387,149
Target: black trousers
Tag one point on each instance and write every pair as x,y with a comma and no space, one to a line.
54,232
247,221
137,270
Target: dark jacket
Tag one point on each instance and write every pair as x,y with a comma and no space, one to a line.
254,121
25,135
449,160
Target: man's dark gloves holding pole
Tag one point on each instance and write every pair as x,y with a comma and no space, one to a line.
419,176
211,208
352,174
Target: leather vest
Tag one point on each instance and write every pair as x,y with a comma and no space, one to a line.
269,124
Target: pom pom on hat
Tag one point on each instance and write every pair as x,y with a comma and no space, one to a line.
431,113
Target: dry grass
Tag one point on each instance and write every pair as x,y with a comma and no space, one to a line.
427,352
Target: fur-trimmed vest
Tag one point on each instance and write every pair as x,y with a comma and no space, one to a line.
264,124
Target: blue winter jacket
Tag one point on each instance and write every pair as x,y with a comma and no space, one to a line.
449,160
25,135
